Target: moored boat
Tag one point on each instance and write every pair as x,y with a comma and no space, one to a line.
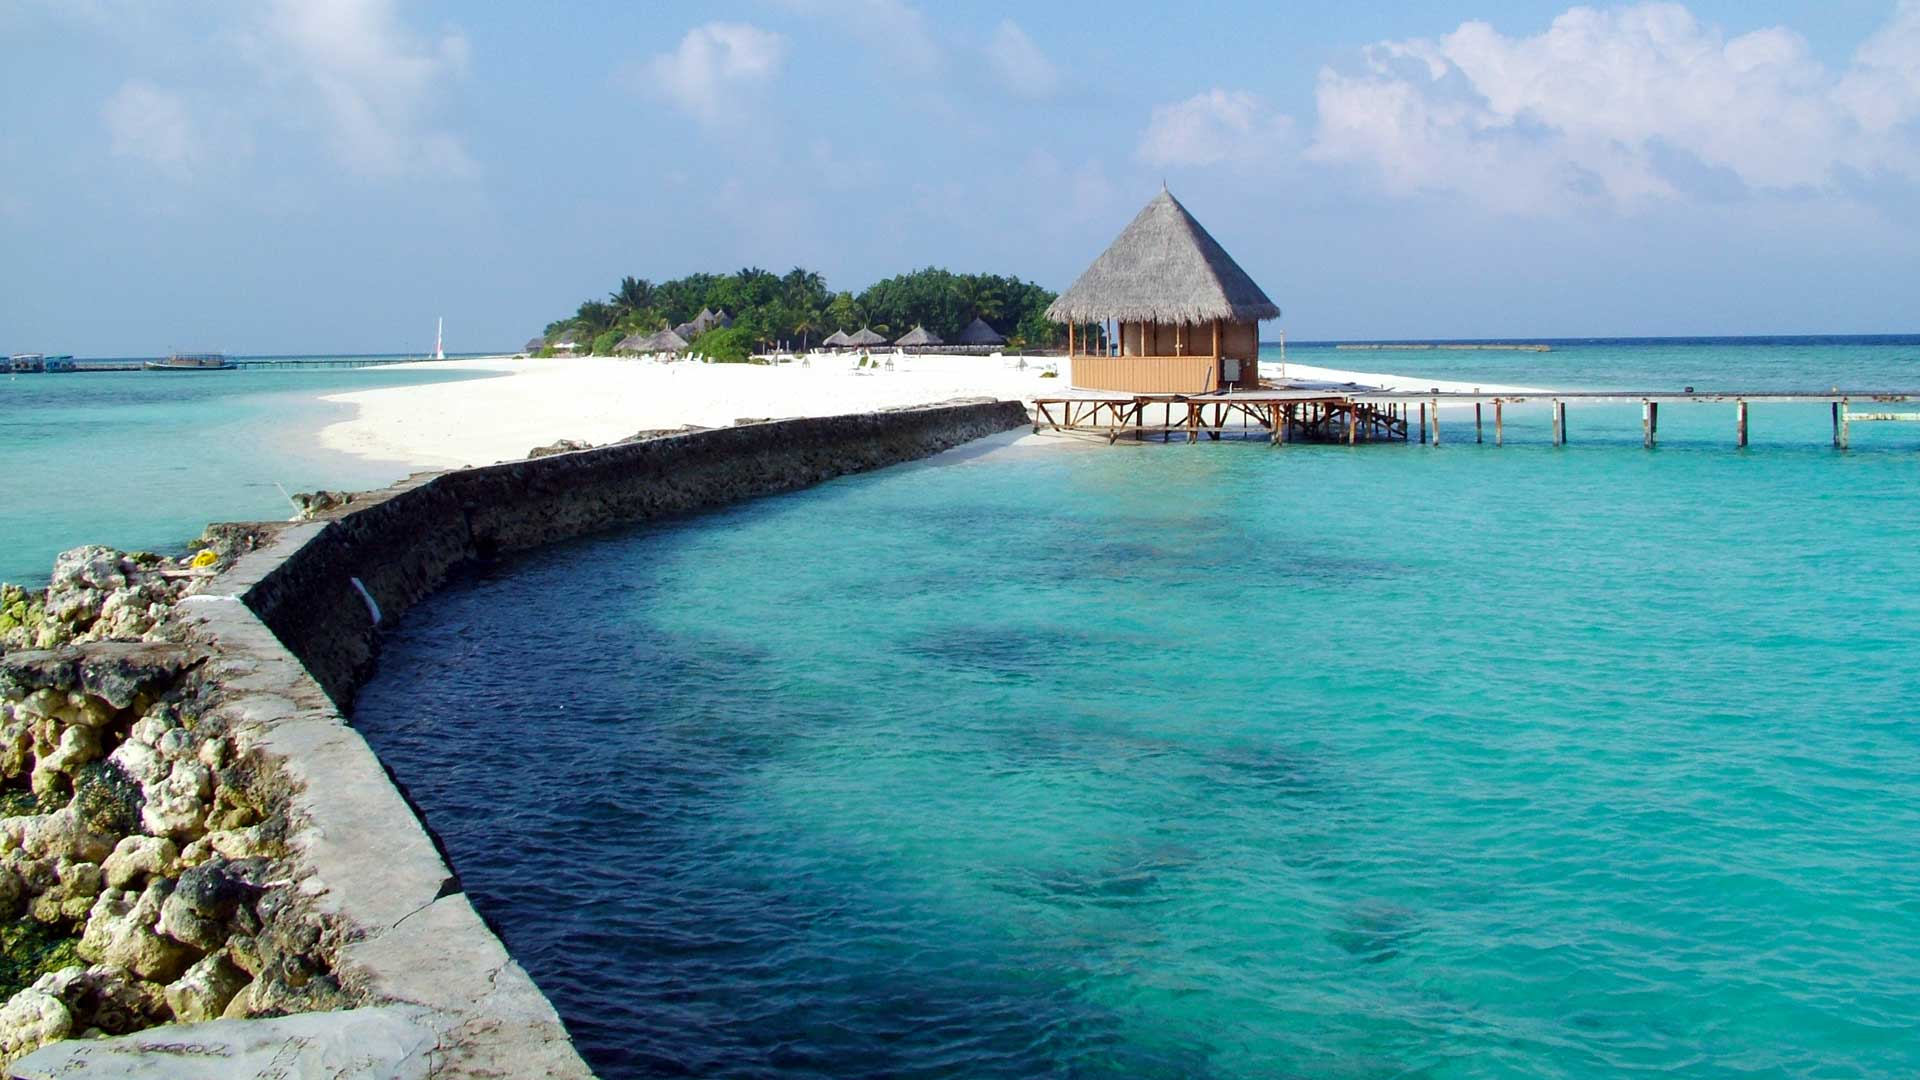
23,363
190,362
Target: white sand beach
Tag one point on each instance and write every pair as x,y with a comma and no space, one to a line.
603,399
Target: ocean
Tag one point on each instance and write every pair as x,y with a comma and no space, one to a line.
1223,760
140,460
144,460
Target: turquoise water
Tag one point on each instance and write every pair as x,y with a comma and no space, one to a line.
147,459
1220,760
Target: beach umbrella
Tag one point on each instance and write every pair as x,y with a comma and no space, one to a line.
919,336
864,338
837,340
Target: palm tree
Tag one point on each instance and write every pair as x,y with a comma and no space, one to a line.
633,294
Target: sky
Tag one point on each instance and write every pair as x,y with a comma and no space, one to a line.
286,176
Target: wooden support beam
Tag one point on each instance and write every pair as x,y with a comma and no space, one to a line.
1559,423
1646,424
1353,424
1499,426
1478,435
1846,436
1423,423
1740,424
1836,424
1436,421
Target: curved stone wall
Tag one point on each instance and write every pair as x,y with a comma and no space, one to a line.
288,633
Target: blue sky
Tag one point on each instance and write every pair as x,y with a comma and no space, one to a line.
276,176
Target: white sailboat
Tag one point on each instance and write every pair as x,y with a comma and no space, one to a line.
439,328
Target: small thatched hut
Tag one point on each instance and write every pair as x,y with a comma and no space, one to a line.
919,338
534,346
1186,318
708,320
568,342
864,338
657,342
837,340
687,330
979,334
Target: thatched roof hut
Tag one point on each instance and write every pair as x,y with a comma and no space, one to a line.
979,333
567,342
864,338
919,337
657,342
535,345
1186,318
837,340
687,330
705,321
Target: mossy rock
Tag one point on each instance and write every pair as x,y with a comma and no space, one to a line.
28,950
21,802
106,799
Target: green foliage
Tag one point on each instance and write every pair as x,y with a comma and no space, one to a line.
733,345
603,343
546,353
28,950
797,308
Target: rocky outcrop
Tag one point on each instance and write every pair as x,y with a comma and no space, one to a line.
158,841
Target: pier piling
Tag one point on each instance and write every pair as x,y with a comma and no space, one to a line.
1436,422
1740,423
1499,427
1478,436
1423,423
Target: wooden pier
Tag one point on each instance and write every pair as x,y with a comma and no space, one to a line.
1283,415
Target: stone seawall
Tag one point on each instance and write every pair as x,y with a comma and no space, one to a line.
280,641
400,544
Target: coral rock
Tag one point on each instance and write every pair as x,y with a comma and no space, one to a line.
204,992
137,857
32,1019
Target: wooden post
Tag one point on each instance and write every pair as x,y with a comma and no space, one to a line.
1436,421
1646,424
1836,424
1845,435
1478,435
1353,423
1423,423
1193,422
1559,423
1741,423
1499,426
1069,340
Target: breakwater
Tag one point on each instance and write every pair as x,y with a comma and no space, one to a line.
282,870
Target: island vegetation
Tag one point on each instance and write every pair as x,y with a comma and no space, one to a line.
797,309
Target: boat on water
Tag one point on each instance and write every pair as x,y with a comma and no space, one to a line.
211,361
25,362
63,362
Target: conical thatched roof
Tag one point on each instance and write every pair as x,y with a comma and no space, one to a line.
864,336
1164,268
708,320
659,341
979,333
687,330
919,335
837,340
535,345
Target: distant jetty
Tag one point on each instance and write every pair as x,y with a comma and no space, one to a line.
1462,348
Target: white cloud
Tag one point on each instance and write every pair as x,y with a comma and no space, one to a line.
1622,108
894,27
152,126
1023,68
371,82
714,65
1206,129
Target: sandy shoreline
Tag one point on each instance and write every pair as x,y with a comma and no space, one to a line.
603,399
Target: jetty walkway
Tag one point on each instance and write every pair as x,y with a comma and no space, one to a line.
1361,414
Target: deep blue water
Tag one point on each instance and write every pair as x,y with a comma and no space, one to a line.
1218,760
